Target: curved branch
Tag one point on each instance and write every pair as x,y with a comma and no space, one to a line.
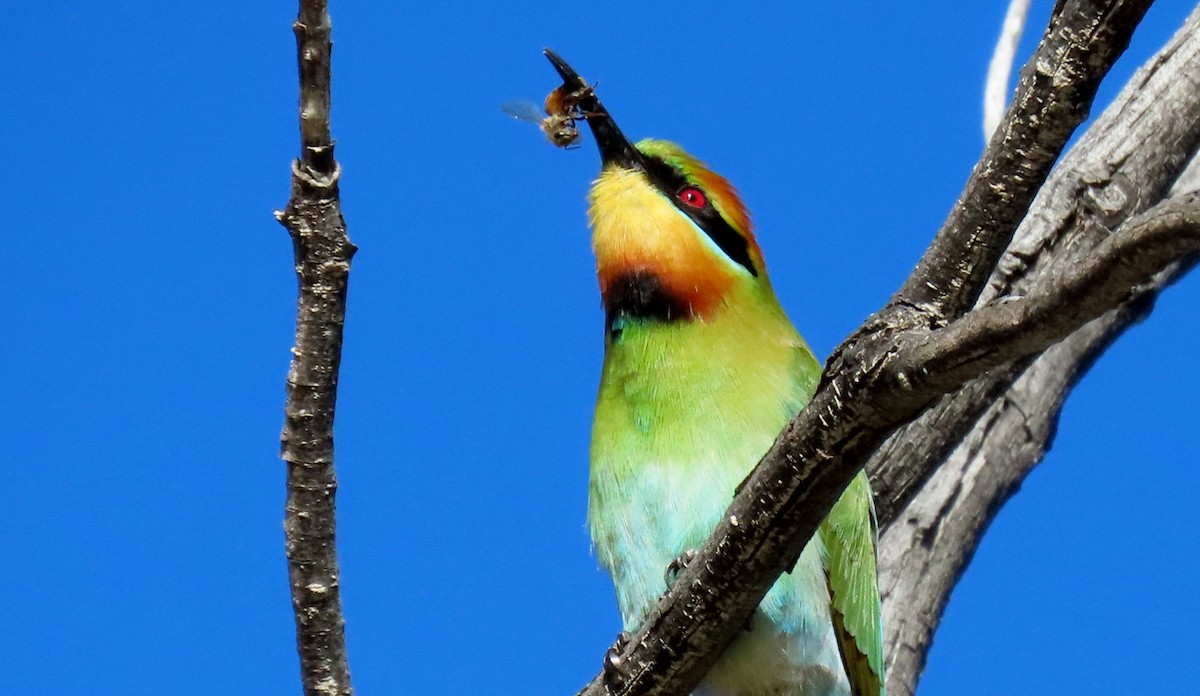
322,252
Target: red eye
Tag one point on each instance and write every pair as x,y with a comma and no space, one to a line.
693,197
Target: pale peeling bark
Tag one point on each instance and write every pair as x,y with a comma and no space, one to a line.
985,439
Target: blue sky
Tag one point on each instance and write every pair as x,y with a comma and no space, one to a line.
150,312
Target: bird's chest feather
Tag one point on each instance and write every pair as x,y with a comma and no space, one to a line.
680,422
684,413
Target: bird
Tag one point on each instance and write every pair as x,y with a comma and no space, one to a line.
702,369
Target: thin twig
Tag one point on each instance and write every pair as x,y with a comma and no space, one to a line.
322,254
995,89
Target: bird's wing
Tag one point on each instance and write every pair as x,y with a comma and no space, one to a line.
849,534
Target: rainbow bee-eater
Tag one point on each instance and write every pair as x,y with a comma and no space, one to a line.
702,369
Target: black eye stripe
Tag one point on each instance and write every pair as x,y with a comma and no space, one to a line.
671,182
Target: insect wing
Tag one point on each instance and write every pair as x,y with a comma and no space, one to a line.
523,111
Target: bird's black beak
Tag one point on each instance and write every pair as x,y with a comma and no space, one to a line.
615,148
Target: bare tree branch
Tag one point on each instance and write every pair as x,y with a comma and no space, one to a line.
322,251
924,553
1027,324
874,383
1125,163
983,440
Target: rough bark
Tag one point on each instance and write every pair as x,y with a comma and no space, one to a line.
881,377
322,250
1054,96
986,438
